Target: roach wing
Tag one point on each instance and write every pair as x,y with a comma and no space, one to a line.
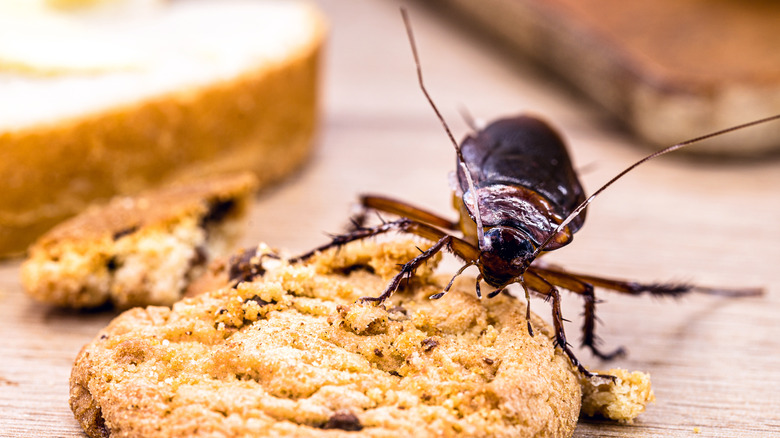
525,152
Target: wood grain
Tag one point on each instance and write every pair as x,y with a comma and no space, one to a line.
715,362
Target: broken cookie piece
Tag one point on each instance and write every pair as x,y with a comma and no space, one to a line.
621,400
138,251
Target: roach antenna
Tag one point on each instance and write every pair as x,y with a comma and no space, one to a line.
461,160
467,117
580,208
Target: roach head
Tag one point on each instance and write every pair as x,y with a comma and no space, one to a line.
506,253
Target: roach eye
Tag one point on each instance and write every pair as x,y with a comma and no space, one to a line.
508,243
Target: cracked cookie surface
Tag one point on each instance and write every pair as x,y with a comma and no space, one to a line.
292,354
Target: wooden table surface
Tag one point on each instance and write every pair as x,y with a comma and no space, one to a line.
715,362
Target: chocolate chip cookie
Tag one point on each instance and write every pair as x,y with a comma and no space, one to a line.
137,251
290,352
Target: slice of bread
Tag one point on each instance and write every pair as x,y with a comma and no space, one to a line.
101,98
142,250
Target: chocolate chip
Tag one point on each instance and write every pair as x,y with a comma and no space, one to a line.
488,360
261,302
398,309
218,210
121,233
356,267
112,264
429,344
245,266
344,420
200,257
397,313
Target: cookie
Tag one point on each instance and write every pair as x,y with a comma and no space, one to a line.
289,352
622,400
137,251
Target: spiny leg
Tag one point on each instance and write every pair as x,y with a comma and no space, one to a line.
622,286
578,286
584,284
436,296
247,264
358,234
408,268
665,289
527,305
458,247
543,287
454,245
495,292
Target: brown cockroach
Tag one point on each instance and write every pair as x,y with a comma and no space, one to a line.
518,197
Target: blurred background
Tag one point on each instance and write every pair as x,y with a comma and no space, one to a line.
708,216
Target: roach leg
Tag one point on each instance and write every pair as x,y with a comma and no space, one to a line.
666,289
585,289
459,247
358,234
452,281
527,306
407,270
247,264
545,288
626,287
584,284
495,292
402,209
476,286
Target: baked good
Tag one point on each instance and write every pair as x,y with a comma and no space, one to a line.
670,70
137,251
290,353
620,400
124,95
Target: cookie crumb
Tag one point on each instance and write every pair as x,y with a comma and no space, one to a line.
622,400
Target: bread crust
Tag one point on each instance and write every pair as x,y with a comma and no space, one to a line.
262,120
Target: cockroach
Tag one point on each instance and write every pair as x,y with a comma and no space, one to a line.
518,197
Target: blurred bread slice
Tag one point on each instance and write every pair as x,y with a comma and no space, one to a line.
671,70
101,97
